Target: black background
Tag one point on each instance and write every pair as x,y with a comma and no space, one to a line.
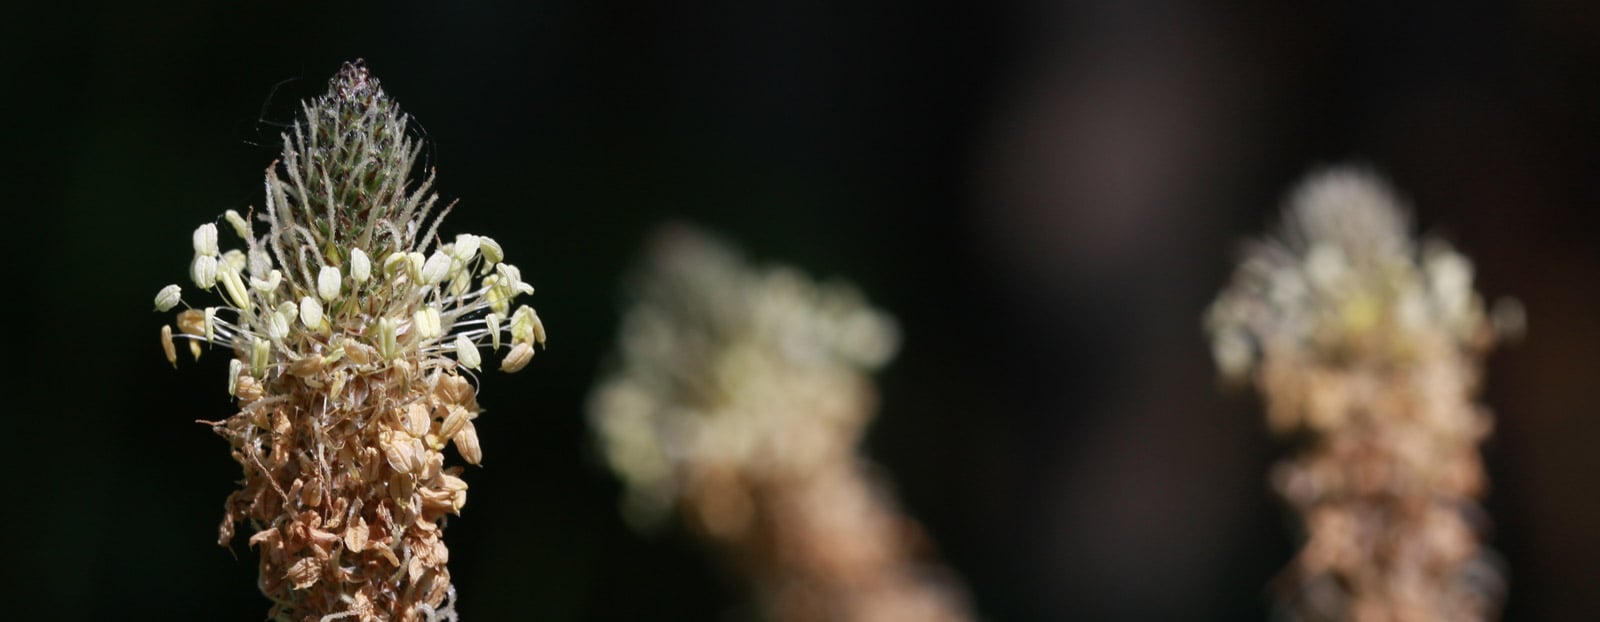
1045,194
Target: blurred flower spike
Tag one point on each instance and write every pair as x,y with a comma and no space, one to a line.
1368,349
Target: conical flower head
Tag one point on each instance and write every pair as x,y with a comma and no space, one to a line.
350,324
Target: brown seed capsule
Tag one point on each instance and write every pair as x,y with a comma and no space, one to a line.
396,451
192,322
467,443
517,358
453,421
304,573
416,420
306,366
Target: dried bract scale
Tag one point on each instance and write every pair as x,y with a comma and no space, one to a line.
739,398
1368,351
343,373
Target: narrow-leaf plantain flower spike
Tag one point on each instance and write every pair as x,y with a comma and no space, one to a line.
343,387
168,298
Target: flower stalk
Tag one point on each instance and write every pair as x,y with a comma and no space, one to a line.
1368,351
739,400
354,331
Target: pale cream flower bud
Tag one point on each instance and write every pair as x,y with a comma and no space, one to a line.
467,352
492,320
204,271
205,240
310,313
491,250
234,286
414,263
328,283
436,268
240,227
360,266
394,263
387,347
269,284
235,366
234,259
426,323
260,356
277,326
526,327
466,247
168,298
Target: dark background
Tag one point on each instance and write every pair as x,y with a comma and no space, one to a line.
1046,195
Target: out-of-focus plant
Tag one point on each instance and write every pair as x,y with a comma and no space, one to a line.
1368,351
738,398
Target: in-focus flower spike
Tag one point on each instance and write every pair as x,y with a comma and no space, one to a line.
168,298
318,359
328,283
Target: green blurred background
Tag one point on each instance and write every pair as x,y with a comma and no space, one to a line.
1045,194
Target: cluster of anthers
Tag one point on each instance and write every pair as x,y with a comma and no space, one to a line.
351,327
